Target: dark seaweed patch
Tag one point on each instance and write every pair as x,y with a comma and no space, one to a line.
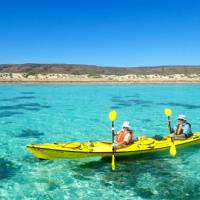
117,97
117,100
130,102
95,120
7,168
45,106
125,104
86,171
52,185
185,189
8,122
114,107
27,92
150,179
135,95
187,106
32,108
70,109
30,133
147,120
145,103
25,106
30,104
25,97
145,106
165,174
18,98
18,106
8,107
9,113
139,101
5,100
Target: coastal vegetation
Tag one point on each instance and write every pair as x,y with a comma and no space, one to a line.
94,70
93,73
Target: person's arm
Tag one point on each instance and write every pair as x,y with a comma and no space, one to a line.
116,133
115,139
120,143
179,129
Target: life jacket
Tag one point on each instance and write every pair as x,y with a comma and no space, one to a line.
179,132
121,135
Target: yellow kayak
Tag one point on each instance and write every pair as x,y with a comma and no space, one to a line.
104,149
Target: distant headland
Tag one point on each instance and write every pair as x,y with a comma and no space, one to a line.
69,73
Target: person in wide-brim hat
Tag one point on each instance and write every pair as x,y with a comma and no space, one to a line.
183,128
125,136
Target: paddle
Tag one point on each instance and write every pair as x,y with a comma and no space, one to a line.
112,117
168,113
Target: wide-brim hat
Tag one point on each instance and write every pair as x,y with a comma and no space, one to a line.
182,117
126,125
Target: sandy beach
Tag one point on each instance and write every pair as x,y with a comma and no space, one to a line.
85,78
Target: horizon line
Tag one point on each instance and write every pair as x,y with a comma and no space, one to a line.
109,66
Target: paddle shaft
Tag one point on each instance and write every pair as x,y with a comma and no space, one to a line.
170,128
113,148
113,135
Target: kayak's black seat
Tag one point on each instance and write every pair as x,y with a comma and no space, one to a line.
158,137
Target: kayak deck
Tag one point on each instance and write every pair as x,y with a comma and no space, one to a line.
104,148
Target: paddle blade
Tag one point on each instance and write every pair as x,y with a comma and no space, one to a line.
173,150
168,112
113,162
113,115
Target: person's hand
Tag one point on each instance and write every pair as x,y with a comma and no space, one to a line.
172,135
114,145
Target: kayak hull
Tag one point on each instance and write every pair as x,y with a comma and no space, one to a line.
104,149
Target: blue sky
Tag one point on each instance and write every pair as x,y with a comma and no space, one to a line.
101,32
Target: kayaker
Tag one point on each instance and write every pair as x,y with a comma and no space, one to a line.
183,128
125,136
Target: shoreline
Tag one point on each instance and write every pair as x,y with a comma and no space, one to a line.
53,78
96,82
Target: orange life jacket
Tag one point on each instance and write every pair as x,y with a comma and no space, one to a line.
121,135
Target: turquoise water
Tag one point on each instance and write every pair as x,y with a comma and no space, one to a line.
58,113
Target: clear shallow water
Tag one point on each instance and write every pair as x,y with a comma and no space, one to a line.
57,113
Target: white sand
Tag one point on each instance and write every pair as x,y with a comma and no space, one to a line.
130,78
